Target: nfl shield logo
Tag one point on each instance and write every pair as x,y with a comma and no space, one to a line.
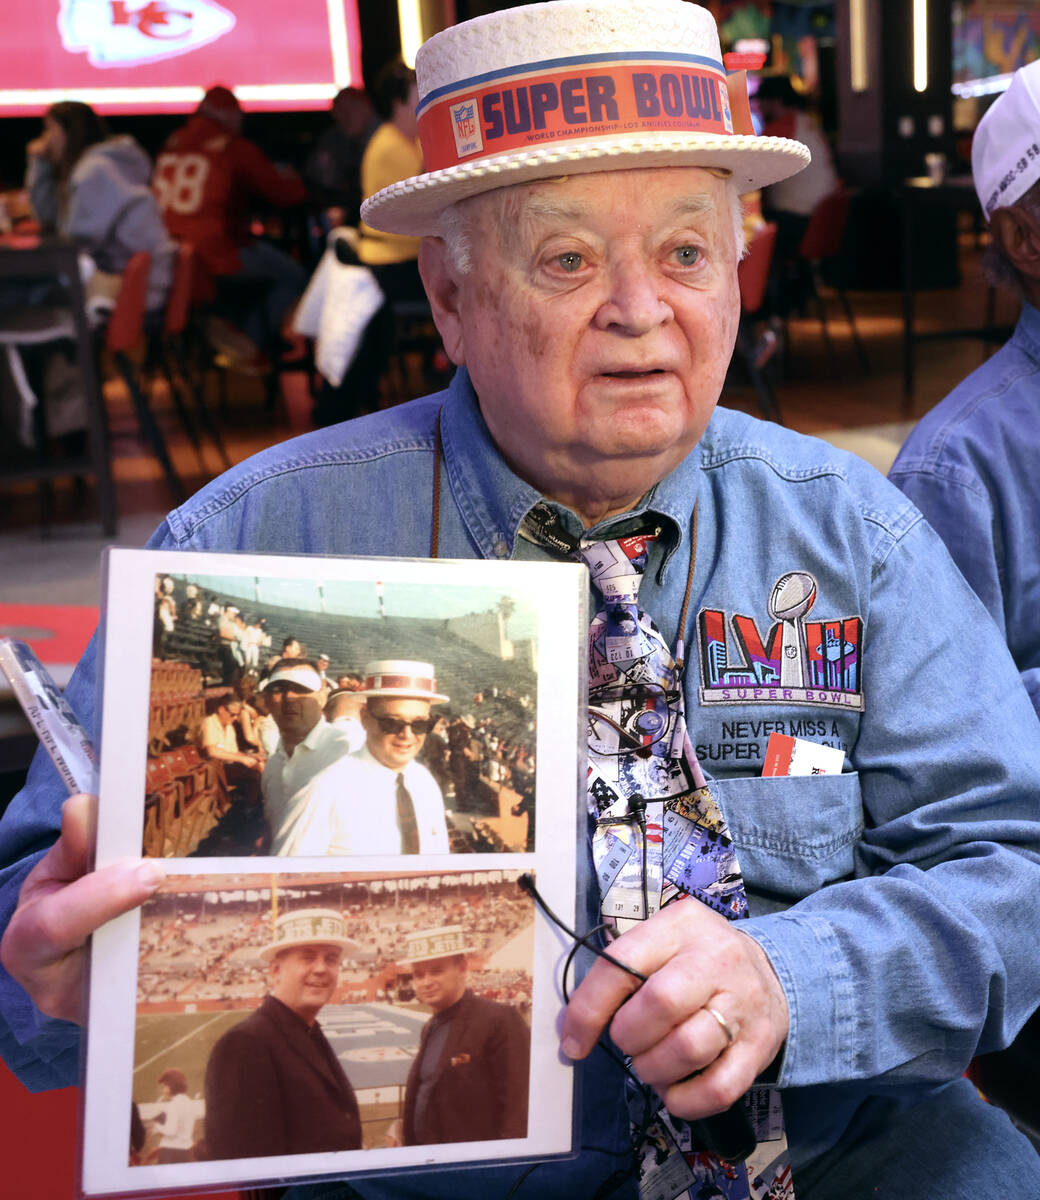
466,127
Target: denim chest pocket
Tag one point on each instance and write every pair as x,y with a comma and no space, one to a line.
793,834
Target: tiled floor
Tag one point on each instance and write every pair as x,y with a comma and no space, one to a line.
829,396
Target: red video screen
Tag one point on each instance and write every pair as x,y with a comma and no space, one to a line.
149,56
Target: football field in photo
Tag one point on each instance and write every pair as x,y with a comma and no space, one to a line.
375,1044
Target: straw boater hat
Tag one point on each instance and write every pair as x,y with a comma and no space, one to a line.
401,678
427,944
309,927
571,87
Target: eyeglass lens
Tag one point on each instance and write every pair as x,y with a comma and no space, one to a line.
420,727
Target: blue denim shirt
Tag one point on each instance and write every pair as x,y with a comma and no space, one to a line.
972,466
899,902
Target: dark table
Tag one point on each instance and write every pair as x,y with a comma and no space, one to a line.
56,259
917,196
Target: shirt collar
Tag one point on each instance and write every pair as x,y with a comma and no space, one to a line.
310,741
493,501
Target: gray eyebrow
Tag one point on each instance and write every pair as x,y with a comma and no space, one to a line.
545,207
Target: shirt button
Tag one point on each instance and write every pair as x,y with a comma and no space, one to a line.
501,547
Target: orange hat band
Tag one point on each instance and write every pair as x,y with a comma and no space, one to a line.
546,102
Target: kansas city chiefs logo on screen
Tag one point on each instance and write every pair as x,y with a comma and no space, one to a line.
125,33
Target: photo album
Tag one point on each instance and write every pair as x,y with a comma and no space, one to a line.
354,773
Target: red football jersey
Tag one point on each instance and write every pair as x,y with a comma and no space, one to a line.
205,179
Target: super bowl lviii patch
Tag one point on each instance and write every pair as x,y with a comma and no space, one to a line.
797,661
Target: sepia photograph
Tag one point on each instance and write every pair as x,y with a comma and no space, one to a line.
365,708
330,1021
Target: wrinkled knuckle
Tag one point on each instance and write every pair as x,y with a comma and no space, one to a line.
665,999
720,1093
688,1050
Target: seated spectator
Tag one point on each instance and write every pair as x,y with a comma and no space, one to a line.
790,203
246,722
266,725
333,167
207,178
89,186
217,737
393,153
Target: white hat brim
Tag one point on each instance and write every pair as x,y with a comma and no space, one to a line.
413,206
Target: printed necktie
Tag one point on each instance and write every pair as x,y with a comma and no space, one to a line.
406,818
660,836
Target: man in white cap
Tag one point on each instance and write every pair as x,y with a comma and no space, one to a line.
469,1080
273,1083
581,224
295,696
379,800
970,465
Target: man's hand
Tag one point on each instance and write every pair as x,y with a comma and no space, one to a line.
694,960
61,904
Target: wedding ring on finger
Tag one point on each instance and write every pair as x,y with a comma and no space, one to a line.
723,1025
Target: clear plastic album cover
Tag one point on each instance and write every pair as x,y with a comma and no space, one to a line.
346,767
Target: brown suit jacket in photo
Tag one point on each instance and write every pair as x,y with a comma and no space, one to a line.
480,1089
275,1086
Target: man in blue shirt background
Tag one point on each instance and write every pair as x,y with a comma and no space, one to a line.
972,465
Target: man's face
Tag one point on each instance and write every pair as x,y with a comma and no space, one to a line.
291,650
304,977
228,713
295,709
389,739
597,321
440,981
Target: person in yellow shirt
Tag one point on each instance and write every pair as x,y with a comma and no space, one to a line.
392,153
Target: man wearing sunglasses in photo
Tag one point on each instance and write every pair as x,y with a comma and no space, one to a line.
378,800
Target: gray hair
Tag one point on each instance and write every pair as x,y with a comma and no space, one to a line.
997,268
457,222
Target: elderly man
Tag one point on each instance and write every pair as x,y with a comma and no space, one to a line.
468,1082
295,695
379,800
273,1083
580,224
971,463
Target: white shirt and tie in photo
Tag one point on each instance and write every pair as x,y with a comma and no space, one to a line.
351,807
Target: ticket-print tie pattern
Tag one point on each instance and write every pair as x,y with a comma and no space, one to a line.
638,745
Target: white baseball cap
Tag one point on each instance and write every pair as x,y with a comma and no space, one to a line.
299,672
1005,152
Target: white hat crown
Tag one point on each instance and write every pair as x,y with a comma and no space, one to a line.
403,678
309,927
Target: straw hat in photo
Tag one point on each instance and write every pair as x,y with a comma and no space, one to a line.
443,942
309,927
401,678
570,87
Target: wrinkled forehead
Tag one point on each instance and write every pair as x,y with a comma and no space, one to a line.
512,213
308,952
